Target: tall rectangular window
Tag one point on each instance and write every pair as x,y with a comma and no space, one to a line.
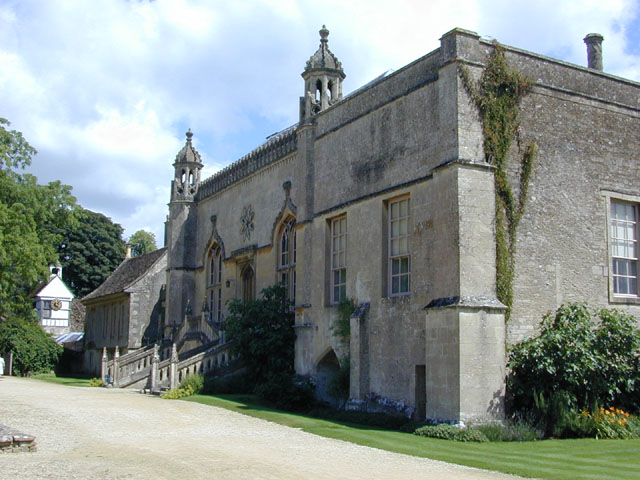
338,259
399,257
624,248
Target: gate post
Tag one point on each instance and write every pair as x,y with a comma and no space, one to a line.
154,369
104,365
173,373
115,367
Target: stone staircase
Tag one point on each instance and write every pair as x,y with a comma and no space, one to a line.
144,370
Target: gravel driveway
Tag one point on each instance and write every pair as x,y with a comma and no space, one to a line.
108,433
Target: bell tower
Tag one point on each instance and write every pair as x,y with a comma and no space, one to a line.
187,172
180,236
323,76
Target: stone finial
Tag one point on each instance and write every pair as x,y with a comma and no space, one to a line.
286,186
594,50
324,34
189,135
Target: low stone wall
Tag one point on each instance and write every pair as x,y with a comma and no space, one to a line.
12,441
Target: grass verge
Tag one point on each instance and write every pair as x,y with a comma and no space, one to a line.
550,459
70,381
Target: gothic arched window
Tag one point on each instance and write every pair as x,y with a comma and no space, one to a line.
248,283
287,259
214,284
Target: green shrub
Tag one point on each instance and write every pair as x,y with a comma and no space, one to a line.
33,350
190,385
193,382
576,363
451,432
238,383
177,393
96,382
287,392
512,431
606,423
263,335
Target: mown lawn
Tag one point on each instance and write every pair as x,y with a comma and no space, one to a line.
550,459
70,381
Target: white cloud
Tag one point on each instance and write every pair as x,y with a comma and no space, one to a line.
106,89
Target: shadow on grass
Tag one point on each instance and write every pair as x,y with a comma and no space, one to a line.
74,381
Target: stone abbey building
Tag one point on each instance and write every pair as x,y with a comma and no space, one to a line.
384,196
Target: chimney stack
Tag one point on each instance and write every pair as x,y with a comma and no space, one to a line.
128,251
594,50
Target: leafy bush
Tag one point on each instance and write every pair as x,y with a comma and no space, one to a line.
233,384
574,364
190,385
96,382
264,340
607,423
33,350
194,382
262,332
287,392
451,432
514,431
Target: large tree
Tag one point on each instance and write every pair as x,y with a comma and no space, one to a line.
90,250
142,242
30,217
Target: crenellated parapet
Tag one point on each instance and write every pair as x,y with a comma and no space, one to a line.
273,149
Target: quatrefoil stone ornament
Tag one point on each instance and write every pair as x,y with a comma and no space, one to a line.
246,222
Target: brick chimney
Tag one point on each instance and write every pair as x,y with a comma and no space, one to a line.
594,50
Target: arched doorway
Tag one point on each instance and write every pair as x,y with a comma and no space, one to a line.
328,367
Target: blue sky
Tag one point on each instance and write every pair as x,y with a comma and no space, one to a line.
106,89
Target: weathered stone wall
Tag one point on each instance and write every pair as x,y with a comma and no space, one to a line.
587,127
146,311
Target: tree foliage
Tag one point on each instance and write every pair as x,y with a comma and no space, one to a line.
33,350
580,360
90,249
262,331
30,216
142,242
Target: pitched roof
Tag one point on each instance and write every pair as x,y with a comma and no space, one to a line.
127,272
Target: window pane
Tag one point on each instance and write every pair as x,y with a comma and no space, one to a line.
395,209
395,266
404,265
395,285
404,208
404,283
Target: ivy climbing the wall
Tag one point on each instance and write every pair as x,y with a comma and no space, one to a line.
497,96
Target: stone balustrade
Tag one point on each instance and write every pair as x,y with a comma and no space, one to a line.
145,370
